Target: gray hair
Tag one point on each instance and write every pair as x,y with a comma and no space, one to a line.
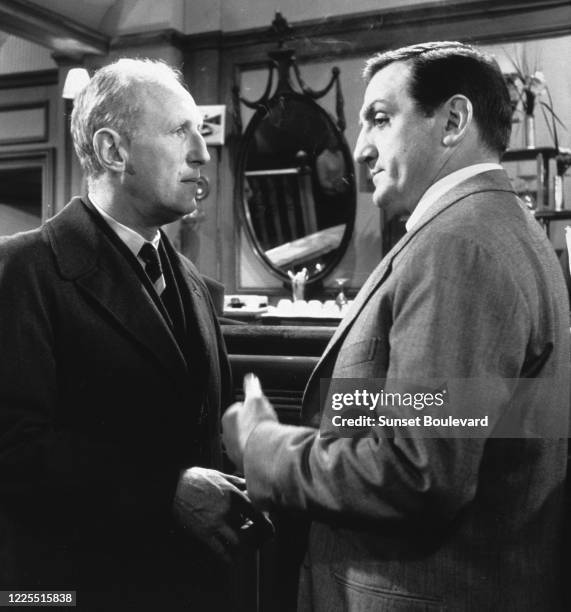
113,99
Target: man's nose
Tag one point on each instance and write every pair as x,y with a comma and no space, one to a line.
198,152
364,152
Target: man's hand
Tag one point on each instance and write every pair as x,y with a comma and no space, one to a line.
213,507
241,419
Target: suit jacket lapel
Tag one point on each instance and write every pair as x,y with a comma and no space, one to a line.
86,256
196,309
494,180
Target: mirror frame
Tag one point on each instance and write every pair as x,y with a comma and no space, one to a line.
283,60
244,213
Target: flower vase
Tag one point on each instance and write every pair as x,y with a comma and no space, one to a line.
529,132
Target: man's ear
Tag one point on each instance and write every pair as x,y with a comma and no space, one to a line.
458,113
110,150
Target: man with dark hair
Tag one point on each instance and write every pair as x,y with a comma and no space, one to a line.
113,371
440,70
470,305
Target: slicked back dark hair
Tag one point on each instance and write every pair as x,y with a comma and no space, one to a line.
439,70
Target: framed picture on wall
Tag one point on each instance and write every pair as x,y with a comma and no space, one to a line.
213,123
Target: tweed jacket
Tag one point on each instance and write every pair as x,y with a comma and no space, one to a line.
100,409
405,523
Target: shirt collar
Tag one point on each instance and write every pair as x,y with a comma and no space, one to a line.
132,239
442,186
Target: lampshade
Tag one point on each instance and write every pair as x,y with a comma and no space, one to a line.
76,80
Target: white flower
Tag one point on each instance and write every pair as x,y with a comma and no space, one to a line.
536,83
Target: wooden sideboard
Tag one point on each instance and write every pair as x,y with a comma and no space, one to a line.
282,357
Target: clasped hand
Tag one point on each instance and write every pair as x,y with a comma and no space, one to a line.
214,508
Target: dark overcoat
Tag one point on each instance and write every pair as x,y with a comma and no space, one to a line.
100,408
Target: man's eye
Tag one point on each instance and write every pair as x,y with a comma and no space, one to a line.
380,120
180,131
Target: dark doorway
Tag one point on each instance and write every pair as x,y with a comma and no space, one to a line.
26,189
20,199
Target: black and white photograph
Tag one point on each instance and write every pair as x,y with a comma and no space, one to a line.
285,318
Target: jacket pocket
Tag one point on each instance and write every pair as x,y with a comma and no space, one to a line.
358,352
358,597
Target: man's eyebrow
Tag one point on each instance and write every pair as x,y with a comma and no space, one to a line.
187,123
368,111
178,122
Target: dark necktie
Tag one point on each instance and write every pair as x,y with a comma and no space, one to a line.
150,256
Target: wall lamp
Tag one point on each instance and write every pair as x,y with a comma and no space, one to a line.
76,80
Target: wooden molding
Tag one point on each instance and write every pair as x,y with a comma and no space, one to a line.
341,35
50,29
37,78
348,35
269,340
41,135
168,36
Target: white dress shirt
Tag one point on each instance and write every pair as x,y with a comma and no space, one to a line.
132,240
438,189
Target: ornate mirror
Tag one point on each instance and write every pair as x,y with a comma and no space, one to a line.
295,185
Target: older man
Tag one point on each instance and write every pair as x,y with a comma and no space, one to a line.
407,516
113,370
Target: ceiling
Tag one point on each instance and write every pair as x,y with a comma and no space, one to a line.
89,13
68,27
